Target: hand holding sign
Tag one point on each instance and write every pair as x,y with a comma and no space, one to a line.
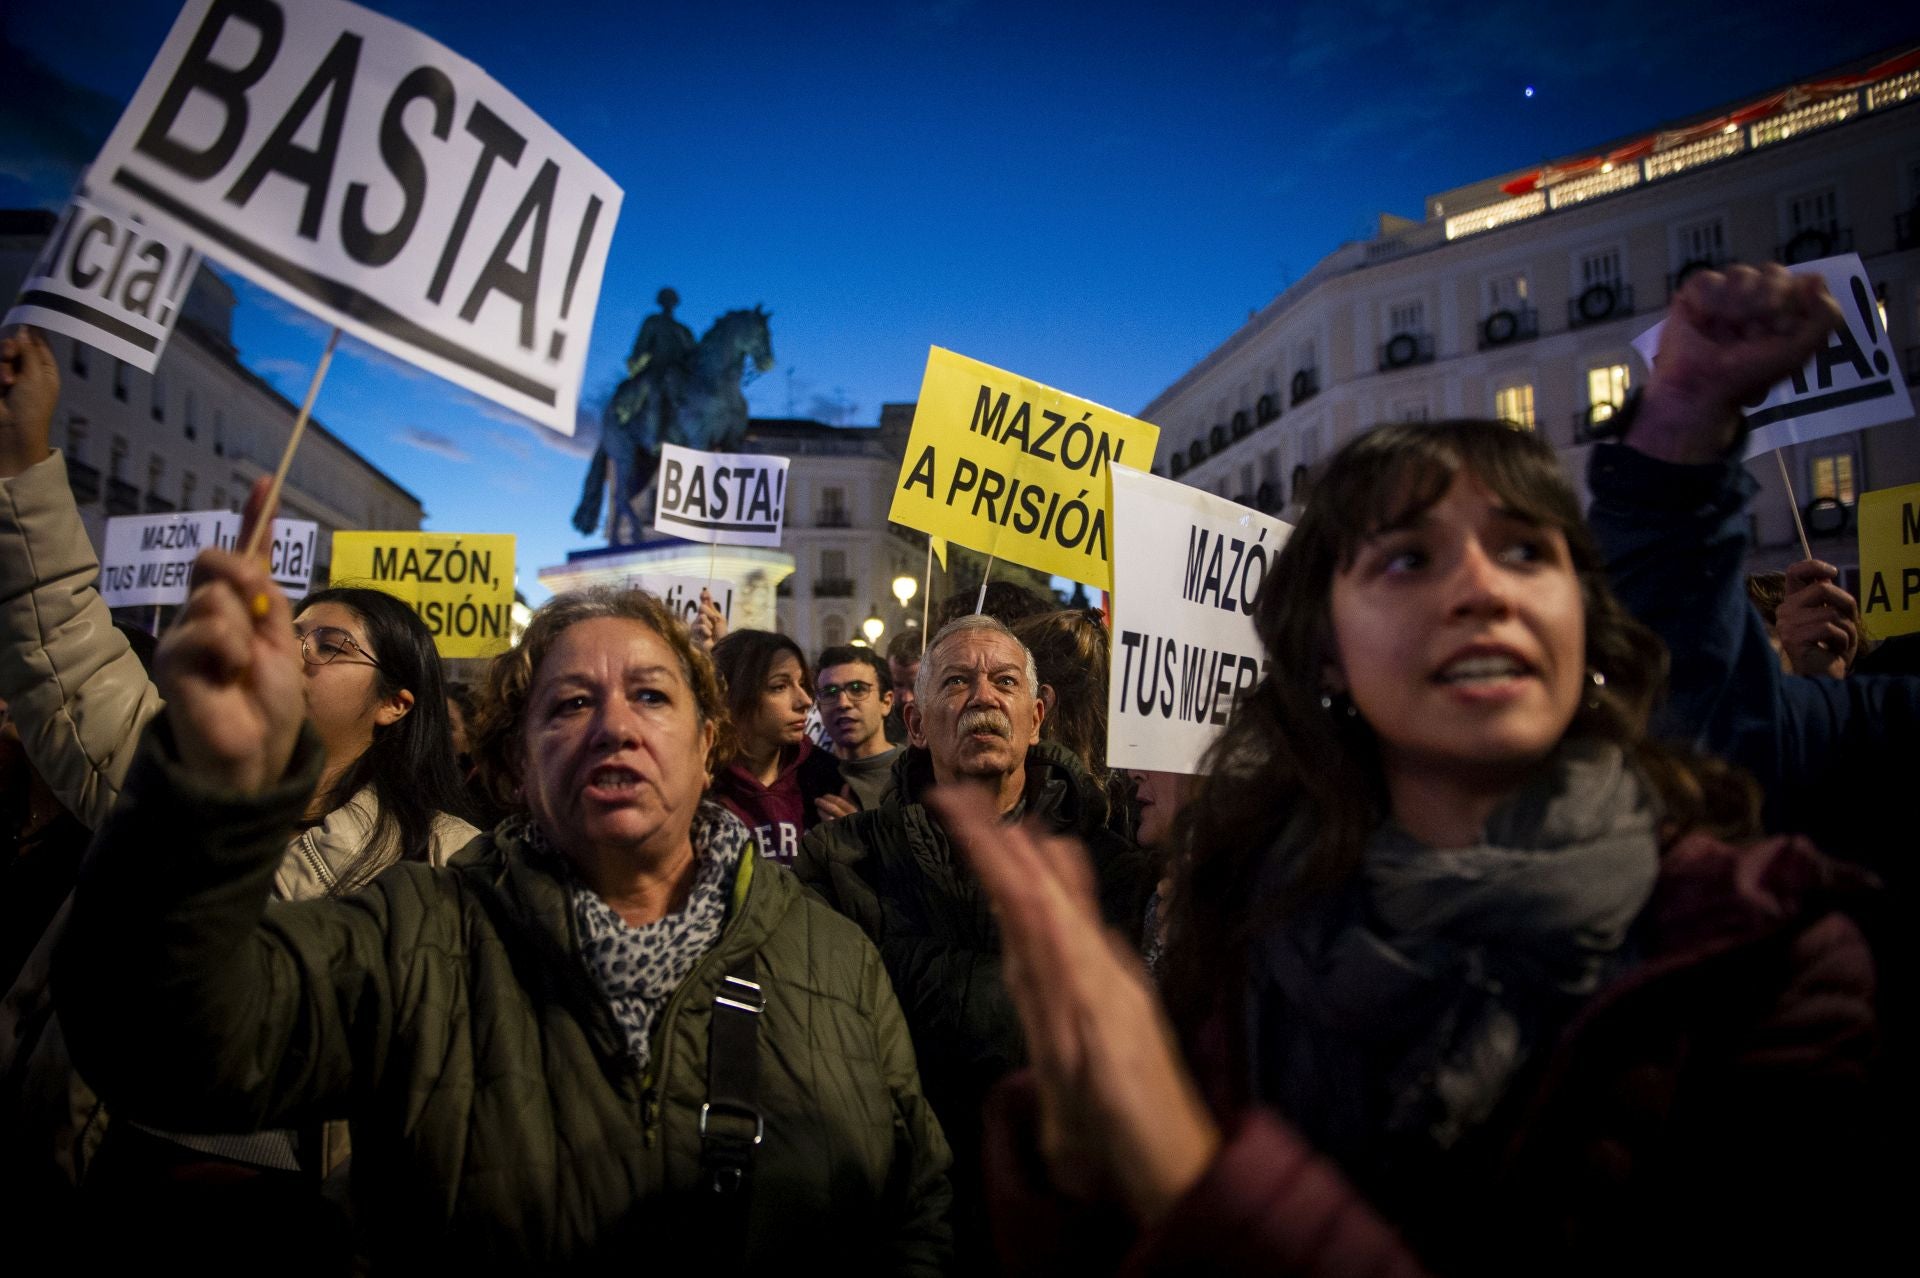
29,388
1818,622
1726,340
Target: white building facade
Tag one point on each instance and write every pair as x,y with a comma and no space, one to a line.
1517,296
196,433
846,555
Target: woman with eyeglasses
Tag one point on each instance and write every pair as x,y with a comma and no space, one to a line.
773,776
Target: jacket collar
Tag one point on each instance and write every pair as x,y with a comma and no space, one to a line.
1058,788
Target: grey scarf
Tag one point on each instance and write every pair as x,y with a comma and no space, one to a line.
639,968
1390,1018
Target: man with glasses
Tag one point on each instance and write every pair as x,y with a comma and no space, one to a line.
855,695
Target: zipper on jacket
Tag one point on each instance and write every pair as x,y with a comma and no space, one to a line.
317,863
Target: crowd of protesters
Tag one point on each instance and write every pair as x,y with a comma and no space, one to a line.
1538,912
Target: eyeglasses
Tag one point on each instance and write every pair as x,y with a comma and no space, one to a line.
323,645
857,691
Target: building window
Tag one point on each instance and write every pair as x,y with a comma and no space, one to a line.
1409,410
219,433
191,419
219,497
1407,317
120,379
833,508
117,459
1703,242
77,439
156,467
188,482
1602,267
1831,475
1507,292
1606,391
159,408
1515,404
833,630
1814,211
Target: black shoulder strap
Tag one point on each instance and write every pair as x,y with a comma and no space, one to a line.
731,1125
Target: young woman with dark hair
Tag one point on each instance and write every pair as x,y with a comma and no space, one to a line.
773,777
1468,977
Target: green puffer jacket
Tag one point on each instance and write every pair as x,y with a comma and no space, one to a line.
895,873
499,1122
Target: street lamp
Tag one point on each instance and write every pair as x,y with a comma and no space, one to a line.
904,588
873,627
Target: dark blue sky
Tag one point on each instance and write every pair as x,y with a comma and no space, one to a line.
1092,195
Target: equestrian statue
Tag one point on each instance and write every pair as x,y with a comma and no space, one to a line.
677,391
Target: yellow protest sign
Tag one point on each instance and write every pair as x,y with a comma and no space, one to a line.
1890,561
1015,469
461,584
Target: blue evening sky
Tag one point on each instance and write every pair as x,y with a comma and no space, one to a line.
1090,195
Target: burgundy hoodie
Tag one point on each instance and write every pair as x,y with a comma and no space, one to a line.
780,813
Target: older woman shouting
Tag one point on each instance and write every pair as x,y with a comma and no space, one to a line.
607,1034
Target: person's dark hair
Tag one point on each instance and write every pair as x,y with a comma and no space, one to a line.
498,728
744,659
1291,781
906,646
849,654
1071,649
1768,590
409,765
1006,603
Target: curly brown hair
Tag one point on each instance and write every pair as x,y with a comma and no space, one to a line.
1288,780
1071,649
501,721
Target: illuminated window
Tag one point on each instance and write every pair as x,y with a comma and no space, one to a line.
1515,404
1606,390
1832,477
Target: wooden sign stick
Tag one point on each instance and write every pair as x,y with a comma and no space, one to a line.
1793,504
263,529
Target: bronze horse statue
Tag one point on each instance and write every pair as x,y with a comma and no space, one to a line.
696,403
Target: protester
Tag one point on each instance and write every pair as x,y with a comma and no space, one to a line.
1159,798
1470,983
1669,515
903,667
975,723
772,776
1070,650
856,697
81,697
1004,601
608,1035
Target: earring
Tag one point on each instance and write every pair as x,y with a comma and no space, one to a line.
1329,700
1599,684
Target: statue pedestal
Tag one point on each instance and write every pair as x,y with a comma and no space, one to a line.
753,572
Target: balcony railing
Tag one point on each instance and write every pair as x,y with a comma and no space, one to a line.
1598,303
1404,350
1509,325
1813,244
158,505
85,482
833,519
833,588
122,498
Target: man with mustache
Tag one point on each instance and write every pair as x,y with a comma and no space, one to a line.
974,722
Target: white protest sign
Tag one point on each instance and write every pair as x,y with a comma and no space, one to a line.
1187,567
105,279
730,499
381,181
1850,384
682,594
148,558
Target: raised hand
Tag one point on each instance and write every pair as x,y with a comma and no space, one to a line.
1818,622
230,669
710,625
1119,1114
29,389
1728,337
834,806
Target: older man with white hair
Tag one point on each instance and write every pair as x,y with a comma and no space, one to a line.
974,722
